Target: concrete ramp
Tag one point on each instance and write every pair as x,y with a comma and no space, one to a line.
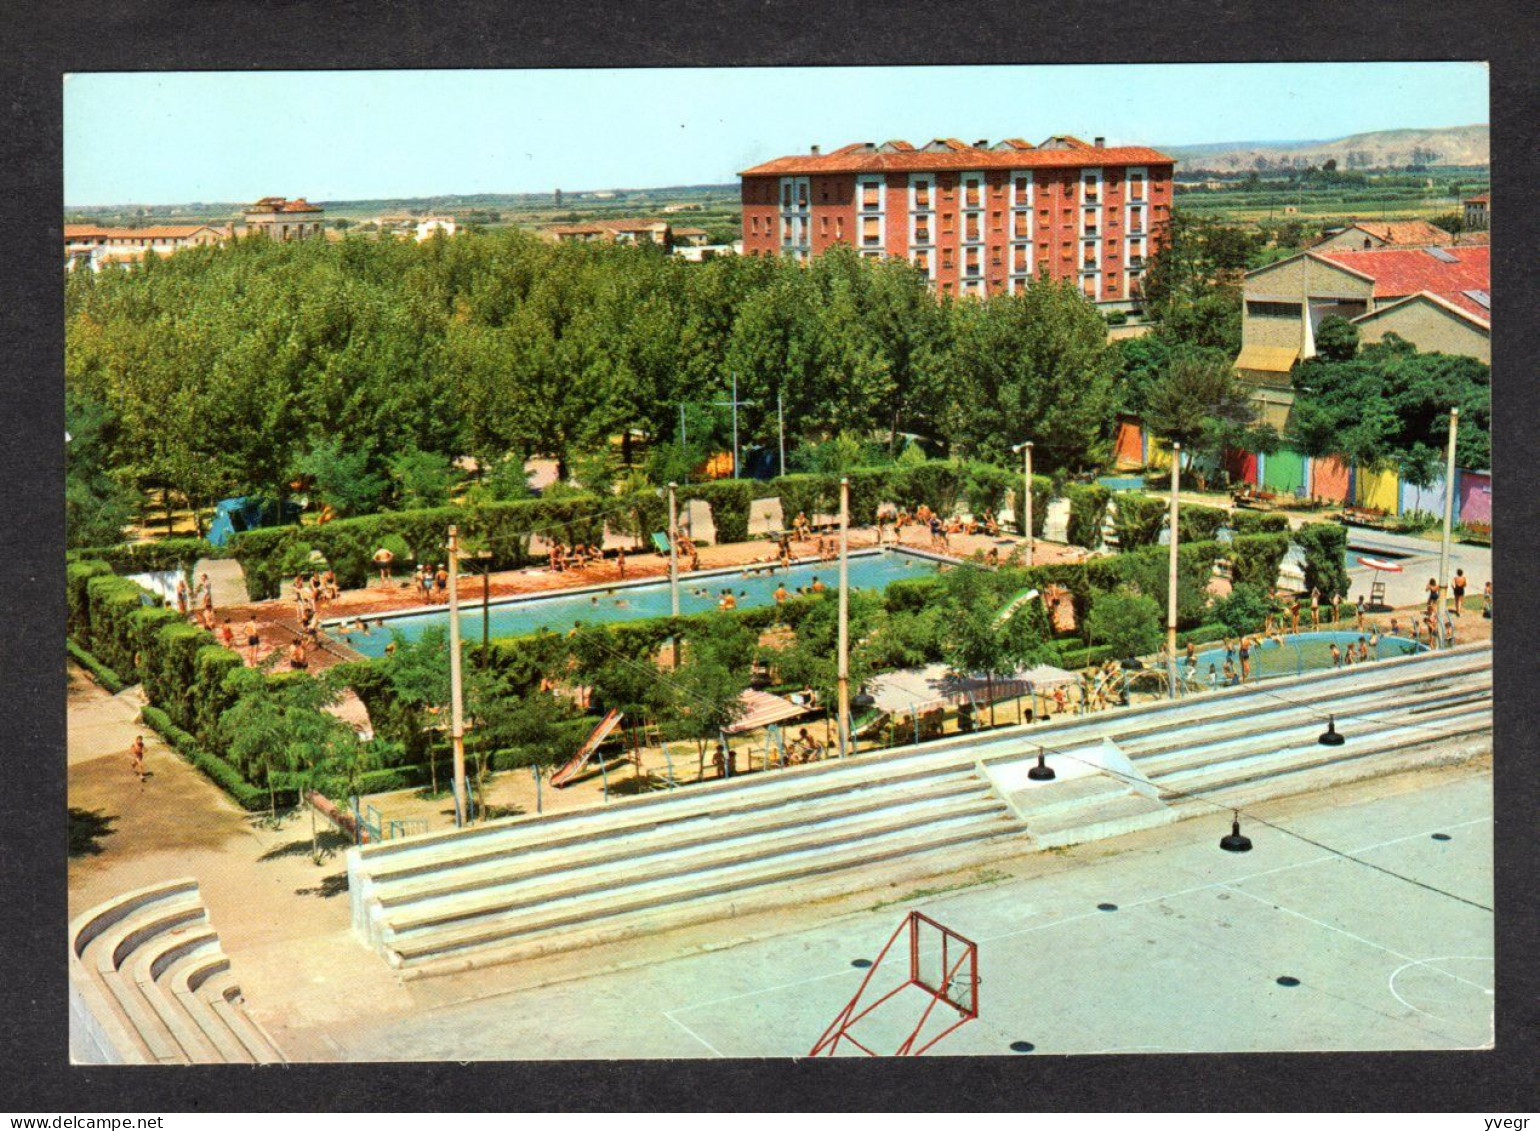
1097,792
227,578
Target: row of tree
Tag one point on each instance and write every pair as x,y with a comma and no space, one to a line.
236,369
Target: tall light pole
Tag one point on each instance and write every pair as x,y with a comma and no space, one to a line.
1443,553
1025,448
736,473
1176,475
673,562
780,424
844,618
456,712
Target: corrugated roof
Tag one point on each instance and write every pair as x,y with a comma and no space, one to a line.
1268,359
956,155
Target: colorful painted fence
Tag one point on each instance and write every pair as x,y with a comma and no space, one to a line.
1284,471
1157,454
1128,444
1474,496
1429,499
1241,466
1331,478
1378,490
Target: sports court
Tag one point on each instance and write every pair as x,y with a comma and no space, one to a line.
1154,942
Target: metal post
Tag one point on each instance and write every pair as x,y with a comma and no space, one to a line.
673,562
844,618
456,715
539,802
1176,476
1443,553
1026,487
780,423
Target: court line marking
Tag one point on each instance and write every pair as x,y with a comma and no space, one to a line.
1096,914
1428,962
714,1050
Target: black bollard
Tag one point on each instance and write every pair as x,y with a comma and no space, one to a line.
1331,737
1042,771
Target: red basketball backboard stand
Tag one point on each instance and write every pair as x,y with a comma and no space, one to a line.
943,970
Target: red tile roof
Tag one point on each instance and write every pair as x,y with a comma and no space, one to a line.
1405,271
1484,198
279,204
161,232
958,156
1405,233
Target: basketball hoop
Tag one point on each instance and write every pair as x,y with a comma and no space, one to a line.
942,970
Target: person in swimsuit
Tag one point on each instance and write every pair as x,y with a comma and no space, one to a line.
1457,590
136,757
1245,658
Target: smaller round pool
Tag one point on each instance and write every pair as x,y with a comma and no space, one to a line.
1300,653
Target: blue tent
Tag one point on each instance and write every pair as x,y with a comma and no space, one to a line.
232,516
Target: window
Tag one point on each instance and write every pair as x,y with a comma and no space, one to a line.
972,228
871,196
786,195
1273,309
946,223
1136,218
1090,288
922,195
823,225
922,230
839,227
1021,260
922,261
1136,186
871,231
754,225
946,258
1021,226
972,194
971,261
801,194
1023,187
1091,190
997,223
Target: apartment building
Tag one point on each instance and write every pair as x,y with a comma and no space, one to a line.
976,219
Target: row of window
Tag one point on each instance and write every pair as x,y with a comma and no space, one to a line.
796,192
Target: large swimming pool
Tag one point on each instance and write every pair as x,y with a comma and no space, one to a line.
698,592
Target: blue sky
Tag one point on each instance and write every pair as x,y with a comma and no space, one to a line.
336,135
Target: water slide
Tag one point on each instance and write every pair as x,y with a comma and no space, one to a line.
585,752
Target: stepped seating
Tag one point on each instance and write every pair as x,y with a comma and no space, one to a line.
494,892
149,984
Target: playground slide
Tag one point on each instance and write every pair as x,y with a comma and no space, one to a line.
562,776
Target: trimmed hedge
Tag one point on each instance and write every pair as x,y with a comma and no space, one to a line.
1255,558
147,557
99,671
1258,522
1139,519
215,768
1087,512
1198,523
1325,549
77,575
729,500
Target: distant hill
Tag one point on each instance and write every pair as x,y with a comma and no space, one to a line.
1453,145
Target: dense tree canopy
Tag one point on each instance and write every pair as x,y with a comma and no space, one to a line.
1390,405
362,367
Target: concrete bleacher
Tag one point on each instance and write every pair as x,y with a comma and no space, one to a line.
149,984
524,886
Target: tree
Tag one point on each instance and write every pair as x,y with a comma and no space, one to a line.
1129,623
1337,338
342,478
421,478
281,723
977,640
705,692
417,672
1200,402
97,506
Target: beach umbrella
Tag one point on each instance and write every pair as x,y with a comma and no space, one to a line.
382,556
317,557
1378,565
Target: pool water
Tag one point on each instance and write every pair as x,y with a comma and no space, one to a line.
1122,482
698,592
1305,651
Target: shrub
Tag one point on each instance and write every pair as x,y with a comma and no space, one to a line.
1258,522
1244,610
1324,545
1127,623
77,575
1255,558
1199,523
729,500
150,557
100,672
937,484
1139,519
986,485
1087,511
215,768
1116,317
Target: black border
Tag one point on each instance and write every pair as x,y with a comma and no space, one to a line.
74,35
